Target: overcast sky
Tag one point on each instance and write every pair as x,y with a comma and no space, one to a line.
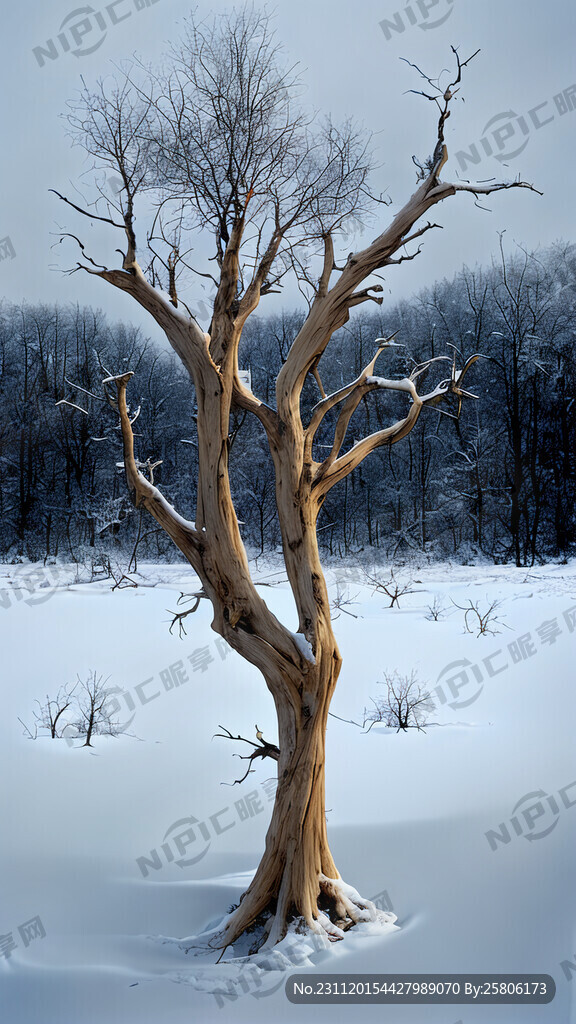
520,94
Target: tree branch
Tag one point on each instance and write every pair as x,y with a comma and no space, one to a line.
328,265
180,616
364,295
334,469
86,213
185,336
329,312
182,531
262,749
322,408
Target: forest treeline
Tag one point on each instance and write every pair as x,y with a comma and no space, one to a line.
499,481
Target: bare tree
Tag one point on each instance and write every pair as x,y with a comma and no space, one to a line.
218,144
50,713
482,619
342,598
95,709
436,609
392,588
407,704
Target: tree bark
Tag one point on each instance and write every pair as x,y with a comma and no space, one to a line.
288,882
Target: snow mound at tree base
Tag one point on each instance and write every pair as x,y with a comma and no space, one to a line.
236,972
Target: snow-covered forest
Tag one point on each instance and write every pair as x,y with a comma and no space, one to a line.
497,483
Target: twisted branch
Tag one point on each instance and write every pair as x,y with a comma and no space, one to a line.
262,749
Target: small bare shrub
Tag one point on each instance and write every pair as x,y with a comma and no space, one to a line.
436,610
392,587
407,704
95,710
48,716
477,619
341,599
89,700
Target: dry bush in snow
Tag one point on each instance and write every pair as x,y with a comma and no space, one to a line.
407,704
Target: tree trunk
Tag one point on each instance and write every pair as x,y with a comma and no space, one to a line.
297,857
89,730
297,877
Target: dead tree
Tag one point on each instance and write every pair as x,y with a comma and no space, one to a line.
392,588
50,713
407,704
484,620
218,143
95,710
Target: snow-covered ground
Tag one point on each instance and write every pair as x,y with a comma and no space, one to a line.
466,832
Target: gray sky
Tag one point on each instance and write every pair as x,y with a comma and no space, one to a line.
520,93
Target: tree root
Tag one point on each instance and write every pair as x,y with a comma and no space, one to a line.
339,908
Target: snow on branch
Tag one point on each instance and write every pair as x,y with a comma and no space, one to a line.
329,401
64,401
335,467
145,492
121,377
